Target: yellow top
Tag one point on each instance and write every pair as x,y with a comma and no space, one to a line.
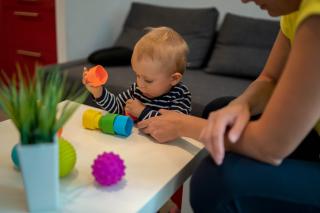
290,23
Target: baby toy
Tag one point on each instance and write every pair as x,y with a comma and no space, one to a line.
67,157
14,157
108,168
108,123
59,132
97,76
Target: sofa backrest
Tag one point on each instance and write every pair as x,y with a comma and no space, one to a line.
197,27
239,48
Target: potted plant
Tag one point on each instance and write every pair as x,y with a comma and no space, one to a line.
32,105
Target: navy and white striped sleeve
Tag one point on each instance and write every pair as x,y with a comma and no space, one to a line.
114,104
182,103
148,112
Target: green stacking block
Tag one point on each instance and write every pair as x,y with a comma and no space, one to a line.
106,123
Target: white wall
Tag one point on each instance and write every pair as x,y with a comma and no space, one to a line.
94,24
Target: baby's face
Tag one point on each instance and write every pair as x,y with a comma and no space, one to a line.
152,80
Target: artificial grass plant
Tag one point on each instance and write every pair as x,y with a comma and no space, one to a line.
32,103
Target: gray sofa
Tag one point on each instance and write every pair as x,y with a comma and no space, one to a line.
223,61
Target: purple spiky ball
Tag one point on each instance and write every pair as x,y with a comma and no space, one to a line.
108,168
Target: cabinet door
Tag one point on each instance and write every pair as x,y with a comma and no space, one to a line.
2,52
30,34
29,4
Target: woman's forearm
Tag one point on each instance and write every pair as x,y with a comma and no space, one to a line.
256,96
252,144
191,126
259,91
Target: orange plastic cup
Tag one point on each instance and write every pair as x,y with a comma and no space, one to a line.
97,76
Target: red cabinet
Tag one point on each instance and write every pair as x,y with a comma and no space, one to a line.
28,34
1,38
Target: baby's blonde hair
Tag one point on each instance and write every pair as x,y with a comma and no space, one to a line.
165,45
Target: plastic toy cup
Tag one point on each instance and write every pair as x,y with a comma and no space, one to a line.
97,76
14,157
106,123
91,118
123,125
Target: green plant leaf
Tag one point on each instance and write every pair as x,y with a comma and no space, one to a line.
32,102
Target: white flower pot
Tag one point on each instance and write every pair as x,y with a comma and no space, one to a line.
39,165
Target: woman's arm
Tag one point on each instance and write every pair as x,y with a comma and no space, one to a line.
171,125
228,123
259,91
294,107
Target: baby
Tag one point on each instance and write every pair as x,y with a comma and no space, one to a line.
159,60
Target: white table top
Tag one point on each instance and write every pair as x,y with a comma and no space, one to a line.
153,171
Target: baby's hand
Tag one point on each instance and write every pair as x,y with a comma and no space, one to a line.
134,107
95,91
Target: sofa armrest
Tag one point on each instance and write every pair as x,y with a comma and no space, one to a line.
111,56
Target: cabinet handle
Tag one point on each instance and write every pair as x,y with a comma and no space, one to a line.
23,13
29,53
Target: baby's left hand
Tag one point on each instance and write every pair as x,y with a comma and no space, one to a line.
134,107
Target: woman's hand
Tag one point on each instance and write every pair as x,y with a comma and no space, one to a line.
229,122
95,91
163,128
134,107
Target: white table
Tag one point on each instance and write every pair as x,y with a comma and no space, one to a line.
154,171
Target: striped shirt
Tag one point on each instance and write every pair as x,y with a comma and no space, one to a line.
177,99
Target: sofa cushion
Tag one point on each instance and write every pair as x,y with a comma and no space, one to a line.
197,27
114,56
238,61
242,46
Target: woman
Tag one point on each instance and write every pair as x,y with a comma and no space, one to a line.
287,95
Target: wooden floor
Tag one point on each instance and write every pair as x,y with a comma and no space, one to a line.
3,116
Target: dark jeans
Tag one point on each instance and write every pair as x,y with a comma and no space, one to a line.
245,185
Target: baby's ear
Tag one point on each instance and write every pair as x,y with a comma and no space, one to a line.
176,78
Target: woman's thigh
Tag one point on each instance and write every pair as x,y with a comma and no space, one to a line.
242,184
242,181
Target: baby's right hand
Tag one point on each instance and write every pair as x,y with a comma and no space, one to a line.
95,91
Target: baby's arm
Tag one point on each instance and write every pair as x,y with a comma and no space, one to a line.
111,103
148,112
105,99
180,103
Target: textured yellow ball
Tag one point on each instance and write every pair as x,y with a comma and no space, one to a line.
67,157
